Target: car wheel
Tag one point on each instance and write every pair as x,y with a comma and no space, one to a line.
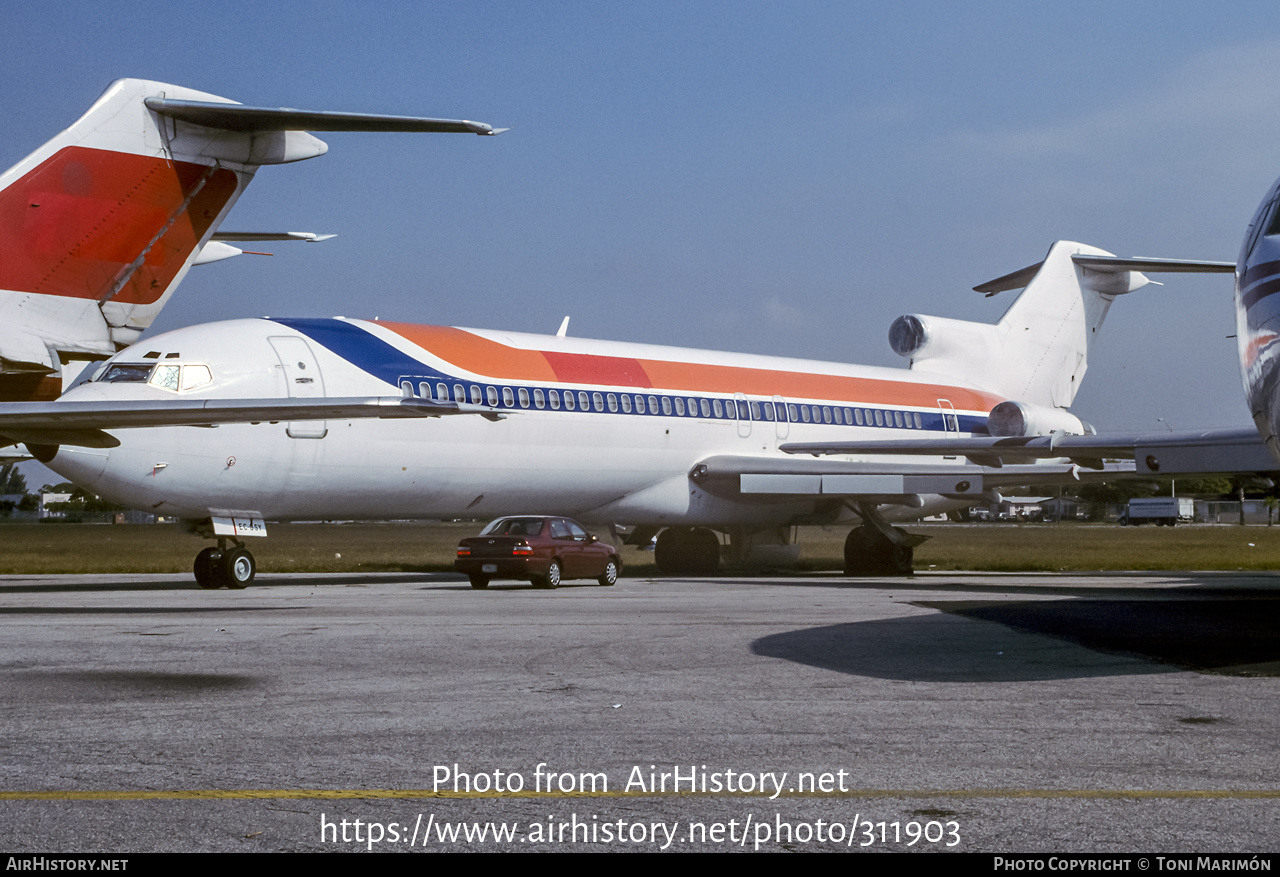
610,576
551,579
479,582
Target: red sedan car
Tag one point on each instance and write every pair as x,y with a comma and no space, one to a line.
542,550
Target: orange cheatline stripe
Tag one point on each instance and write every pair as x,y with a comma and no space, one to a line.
476,354
343,794
504,363
799,385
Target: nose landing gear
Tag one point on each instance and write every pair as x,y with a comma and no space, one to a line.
227,566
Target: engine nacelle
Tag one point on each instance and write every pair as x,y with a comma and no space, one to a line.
1023,418
920,338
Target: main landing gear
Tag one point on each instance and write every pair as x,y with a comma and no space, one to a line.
684,551
877,548
868,552
227,566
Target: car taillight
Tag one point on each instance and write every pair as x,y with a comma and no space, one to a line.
464,551
522,548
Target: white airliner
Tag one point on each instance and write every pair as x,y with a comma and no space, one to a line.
100,224
231,424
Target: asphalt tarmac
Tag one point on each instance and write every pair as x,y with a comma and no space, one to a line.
969,712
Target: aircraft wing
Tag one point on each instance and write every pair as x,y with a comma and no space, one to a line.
83,423
766,478
1207,452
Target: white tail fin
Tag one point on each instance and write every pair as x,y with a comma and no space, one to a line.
99,225
1039,351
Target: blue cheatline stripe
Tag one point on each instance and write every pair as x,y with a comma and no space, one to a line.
360,348
375,356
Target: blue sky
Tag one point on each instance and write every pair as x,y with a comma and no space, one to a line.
765,177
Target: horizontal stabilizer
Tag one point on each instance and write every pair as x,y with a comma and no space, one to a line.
1016,280
218,249
237,117
1109,265
245,236
1116,264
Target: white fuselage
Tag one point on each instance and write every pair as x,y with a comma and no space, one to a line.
623,456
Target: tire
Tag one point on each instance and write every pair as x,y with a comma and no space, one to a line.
610,575
868,552
552,579
670,550
479,582
682,552
206,569
706,557
904,560
238,568
864,551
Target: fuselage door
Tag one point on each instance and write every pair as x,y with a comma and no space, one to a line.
302,381
744,414
950,422
782,423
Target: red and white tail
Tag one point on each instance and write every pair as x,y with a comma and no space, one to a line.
99,225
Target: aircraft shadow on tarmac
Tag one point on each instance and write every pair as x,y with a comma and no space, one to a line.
1012,640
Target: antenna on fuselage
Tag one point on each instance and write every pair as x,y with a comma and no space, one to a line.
564,328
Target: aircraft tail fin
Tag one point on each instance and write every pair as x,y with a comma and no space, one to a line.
99,225
1038,352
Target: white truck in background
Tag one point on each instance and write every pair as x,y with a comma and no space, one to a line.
1160,510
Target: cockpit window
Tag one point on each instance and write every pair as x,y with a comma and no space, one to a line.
1268,218
166,377
196,376
123,373
1274,226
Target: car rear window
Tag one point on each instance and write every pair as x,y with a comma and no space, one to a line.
513,527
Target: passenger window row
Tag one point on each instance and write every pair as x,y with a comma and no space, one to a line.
537,398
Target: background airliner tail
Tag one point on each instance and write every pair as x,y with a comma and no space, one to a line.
1038,352
100,224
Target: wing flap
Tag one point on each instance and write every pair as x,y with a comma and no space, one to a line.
889,482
